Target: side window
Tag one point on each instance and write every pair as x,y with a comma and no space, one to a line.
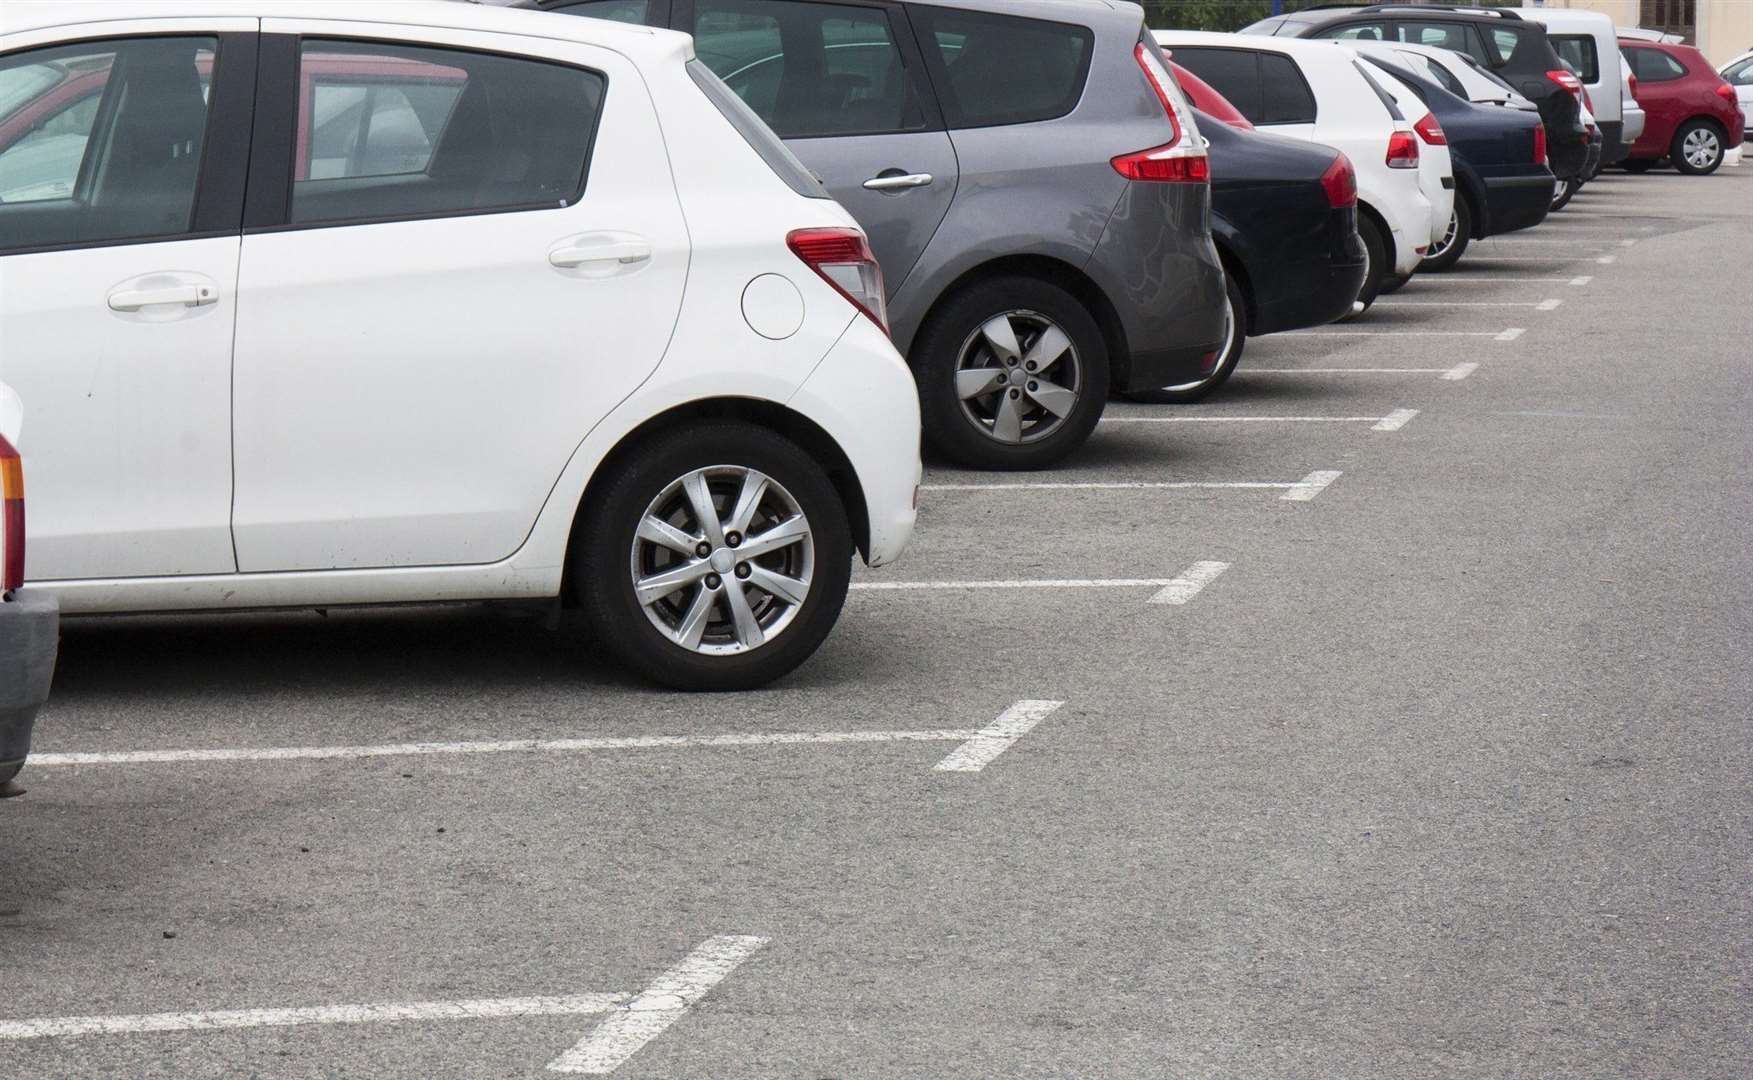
1000,69
1453,36
810,69
627,11
1367,31
102,141
1740,74
389,131
1654,65
1286,96
1436,73
1578,50
1507,42
1234,73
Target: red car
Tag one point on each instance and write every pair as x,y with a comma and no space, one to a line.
1690,113
1207,100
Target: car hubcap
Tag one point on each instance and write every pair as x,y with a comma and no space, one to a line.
1018,377
722,560
1701,148
1223,358
1448,239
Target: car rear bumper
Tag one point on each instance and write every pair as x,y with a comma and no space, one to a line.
1613,144
1516,202
30,633
1315,289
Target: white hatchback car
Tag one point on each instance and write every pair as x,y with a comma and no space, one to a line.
1321,94
437,302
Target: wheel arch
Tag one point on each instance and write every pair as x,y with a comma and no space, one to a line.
771,415
1229,253
1468,186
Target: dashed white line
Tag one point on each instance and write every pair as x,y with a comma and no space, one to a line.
1605,259
62,1027
1388,333
1459,304
1507,279
1240,419
1460,371
1395,420
1107,485
629,1027
1548,305
1188,585
1311,485
1345,371
1009,583
998,736
1510,334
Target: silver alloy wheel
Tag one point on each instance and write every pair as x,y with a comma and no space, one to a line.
1230,340
1018,377
1701,148
1448,240
722,560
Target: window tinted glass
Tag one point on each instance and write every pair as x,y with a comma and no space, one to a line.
1740,74
1654,65
997,69
1286,97
397,131
1234,73
1370,31
1578,50
1506,42
64,177
1436,73
809,69
627,11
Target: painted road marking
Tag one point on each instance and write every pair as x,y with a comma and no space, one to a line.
504,746
1548,305
1510,334
1541,305
1014,583
1395,420
1377,420
999,736
1187,585
1111,485
1605,259
66,1027
630,1026
1392,333
1311,485
1460,371
1488,257
1583,280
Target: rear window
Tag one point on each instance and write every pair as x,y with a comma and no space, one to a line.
758,135
1000,69
1285,96
1578,50
1234,73
1511,43
1382,95
1654,65
1436,73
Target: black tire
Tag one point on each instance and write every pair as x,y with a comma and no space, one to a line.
1393,283
1375,247
1638,165
1713,146
1462,224
603,558
1229,355
1565,192
954,329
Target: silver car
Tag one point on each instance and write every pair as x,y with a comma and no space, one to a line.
1031,180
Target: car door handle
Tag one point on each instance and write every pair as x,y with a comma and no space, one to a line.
623,252
186,295
897,182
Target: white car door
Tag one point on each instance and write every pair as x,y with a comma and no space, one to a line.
118,266
478,253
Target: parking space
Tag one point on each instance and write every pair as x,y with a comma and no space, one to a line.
1380,712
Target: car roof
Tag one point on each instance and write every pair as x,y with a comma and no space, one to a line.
1323,12
1316,48
21,15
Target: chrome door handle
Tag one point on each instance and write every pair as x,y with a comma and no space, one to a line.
626,253
897,183
186,295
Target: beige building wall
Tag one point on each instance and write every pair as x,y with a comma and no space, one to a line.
1725,27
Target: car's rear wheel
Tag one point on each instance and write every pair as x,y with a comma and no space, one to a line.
1376,259
1698,148
1235,338
1448,251
1013,374
1563,192
718,558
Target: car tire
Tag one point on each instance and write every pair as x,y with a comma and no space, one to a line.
1228,356
1565,191
979,342
1454,243
1698,148
738,646
1638,165
1376,260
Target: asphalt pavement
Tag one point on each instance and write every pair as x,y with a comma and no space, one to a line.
1385,716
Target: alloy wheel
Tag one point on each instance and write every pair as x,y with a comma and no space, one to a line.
1701,148
1018,377
722,560
1448,240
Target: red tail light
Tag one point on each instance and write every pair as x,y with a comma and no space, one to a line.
1403,151
11,518
1176,161
1568,81
1340,182
1430,131
1540,157
842,257
1727,93
1587,100
1633,85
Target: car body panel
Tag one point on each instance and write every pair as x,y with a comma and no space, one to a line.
1669,103
29,637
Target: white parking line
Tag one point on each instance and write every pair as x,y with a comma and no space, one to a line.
1510,334
1134,485
1011,583
1489,257
1491,280
1377,420
658,1006
1605,259
998,736
1540,305
1311,485
1395,420
1548,305
1460,371
1394,333
1187,585
67,1027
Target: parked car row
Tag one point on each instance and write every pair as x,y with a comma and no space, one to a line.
443,302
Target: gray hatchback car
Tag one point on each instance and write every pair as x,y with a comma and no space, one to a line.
1031,180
